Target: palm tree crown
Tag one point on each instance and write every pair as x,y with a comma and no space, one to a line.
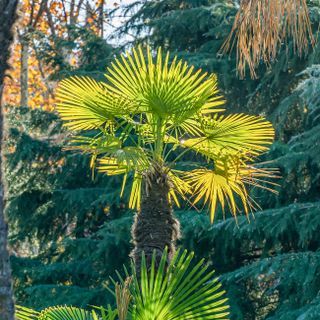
149,113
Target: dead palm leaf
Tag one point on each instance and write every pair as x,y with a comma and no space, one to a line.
262,26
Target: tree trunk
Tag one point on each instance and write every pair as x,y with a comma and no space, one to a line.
24,75
7,19
155,226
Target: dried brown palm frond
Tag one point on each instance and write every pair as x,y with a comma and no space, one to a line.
262,26
123,298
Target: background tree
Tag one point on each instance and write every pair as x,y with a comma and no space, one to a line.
65,227
7,19
53,36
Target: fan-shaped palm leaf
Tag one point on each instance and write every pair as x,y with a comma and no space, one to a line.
234,133
23,313
181,290
225,181
86,104
56,313
65,313
175,92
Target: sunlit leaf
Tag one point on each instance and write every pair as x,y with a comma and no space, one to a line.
226,182
181,290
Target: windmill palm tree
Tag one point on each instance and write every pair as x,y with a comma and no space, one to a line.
146,118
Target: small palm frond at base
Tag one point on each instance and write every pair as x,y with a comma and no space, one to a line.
64,313
23,313
181,290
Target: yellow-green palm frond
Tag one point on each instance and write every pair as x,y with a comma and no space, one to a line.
170,92
233,134
227,182
179,187
85,104
124,160
102,144
135,194
111,167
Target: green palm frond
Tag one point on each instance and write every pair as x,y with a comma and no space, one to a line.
135,195
66,313
23,313
85,104
132,158
181,290
123,161
173,92
235,133
178,186
56,313
101,144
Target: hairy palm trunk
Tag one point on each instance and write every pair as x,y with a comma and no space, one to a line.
155,226
7,19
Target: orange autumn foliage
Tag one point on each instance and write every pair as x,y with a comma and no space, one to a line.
50,18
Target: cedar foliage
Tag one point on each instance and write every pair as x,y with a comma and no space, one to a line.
270,266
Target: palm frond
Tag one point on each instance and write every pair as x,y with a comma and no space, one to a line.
235,133
106,313
226,182
85,104
56,313
178,187
124,160
23,313
171,92
123,298
181,290
135,195
261,28
101,144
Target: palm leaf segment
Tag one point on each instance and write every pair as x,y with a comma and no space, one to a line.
149,107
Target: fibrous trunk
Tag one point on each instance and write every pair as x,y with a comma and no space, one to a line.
155,226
